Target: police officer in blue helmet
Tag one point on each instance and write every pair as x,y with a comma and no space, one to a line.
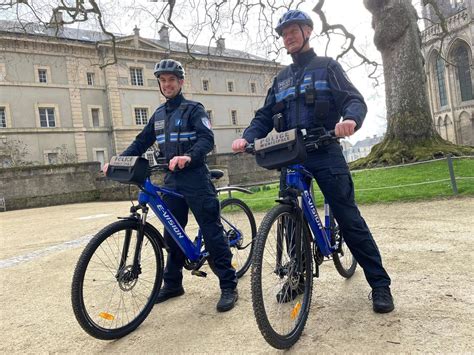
328,101
183,132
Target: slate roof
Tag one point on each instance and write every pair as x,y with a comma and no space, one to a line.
368,142
89,36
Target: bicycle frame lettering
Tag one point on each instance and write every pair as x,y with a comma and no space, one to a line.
151,197
295,178
170,221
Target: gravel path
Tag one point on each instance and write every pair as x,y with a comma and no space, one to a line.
427,247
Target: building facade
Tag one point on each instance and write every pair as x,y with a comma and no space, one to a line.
58,100
450,70
360,149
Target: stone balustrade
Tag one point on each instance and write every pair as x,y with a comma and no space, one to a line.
453,23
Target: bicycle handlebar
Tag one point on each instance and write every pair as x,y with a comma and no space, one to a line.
159,167
314,141
249,148
164,167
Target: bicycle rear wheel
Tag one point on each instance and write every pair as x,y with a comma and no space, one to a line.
343,259
282,276
109,298
239,227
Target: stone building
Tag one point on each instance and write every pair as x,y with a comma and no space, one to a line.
360,149
449,69
57,101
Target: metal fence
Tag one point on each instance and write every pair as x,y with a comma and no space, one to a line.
453,179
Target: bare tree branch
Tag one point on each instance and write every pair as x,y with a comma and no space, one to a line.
331,29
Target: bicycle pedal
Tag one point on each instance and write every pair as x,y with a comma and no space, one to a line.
199,273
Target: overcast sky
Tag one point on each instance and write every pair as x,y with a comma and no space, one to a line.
351,13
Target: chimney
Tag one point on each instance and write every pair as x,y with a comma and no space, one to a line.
220,45
136,36
136,31
164,34
56,20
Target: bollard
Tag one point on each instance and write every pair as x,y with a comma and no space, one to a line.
451,173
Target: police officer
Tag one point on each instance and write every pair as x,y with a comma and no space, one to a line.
184,136
314,92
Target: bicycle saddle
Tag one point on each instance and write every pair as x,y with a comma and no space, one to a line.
216,174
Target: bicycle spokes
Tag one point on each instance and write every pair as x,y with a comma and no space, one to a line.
115,290
239,228
283,276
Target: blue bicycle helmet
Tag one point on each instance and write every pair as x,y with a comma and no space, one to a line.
169,66
293,16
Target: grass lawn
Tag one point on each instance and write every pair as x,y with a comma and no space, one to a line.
405,183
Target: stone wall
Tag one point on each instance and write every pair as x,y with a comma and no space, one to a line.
47,185
38,186
242,169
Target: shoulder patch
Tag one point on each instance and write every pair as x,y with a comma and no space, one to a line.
205,121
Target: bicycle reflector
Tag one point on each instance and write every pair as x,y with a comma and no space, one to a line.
106,316
295,311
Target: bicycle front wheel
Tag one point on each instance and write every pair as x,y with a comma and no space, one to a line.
110,297
282,276
240,229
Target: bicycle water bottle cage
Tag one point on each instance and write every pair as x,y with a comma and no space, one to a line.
280,149
128,170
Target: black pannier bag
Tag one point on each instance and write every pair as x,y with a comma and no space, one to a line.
128,170
280,149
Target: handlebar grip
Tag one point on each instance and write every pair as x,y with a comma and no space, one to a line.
249,149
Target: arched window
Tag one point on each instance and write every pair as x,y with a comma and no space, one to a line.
466,128
441,82
447,122
439,124
461,58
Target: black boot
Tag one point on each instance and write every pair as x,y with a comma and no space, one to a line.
227,301
382,300
167,292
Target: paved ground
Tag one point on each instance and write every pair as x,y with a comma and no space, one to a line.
428,249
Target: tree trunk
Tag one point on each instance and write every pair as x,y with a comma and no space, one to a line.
410,132
397,37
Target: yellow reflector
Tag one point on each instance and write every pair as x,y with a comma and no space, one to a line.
107,316
295,311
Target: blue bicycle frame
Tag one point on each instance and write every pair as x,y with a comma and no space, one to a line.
296,178
150,196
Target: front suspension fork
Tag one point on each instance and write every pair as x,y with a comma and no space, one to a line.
136,268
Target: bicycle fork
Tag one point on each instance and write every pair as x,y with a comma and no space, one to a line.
129,273
289,234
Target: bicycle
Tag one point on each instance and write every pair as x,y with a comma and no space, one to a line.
290,239
120,271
